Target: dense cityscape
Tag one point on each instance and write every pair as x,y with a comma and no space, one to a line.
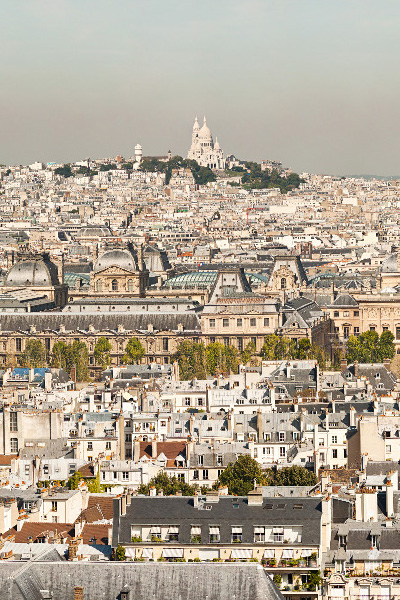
200,361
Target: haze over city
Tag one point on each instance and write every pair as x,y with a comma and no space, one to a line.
313,84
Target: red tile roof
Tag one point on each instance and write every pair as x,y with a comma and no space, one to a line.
170,449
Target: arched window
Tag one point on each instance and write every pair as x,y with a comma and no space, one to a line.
99,285
114,285
130,285
283,283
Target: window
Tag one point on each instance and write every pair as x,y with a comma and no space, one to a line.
125,475
108,445
240,344
253,322
372,327
283,283
219,459
259,534
195,474
18,344
187,401
90,445
45,469
99,285
281,436
236,534
266,322
334,453
214,535
278,536
335,314
282,451
200,401
131,286
54,519
346,313
225,322
205,473
165,344
356,331
239,322
13,421
226,341
27,469
388,448
254,341
212,322
54,506
356,313
334,439
13,445
201,459
114,285
397,333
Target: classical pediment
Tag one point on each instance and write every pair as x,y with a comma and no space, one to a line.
114,271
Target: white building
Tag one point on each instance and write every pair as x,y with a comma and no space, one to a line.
203,150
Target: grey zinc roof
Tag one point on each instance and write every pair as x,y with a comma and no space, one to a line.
228,511
102,322
105,581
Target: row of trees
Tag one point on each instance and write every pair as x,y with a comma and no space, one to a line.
76,355
282,348
239,477
369,347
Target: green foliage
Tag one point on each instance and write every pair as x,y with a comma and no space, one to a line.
290,476
282,348
240,475
65,171
197,360
369,347
254,178
102,351
80,358
314,580
109,167
248,353
74,480
134,352
93,484
120,553
202,175
34,354
62,356
277,580
169,486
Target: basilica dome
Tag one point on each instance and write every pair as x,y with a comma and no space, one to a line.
94,231
205,132
116,258
33,272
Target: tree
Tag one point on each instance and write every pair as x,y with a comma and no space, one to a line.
62,356
221,358
291,476
74,480
168,485
303,348
134,352
65,171
191,357
240,475
248,353
369,347
80,360
102,351
34,354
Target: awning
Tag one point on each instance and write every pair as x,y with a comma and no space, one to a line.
196,531
206,554
130,552
172,553
237,529
306,553
259,529
214,530
173,529
154,530
242,553
287,553
269,554
277,530
147,553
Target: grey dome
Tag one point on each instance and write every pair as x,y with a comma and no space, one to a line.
94,232
32,273
116,258
390,264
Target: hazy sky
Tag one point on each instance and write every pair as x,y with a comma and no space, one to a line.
313,83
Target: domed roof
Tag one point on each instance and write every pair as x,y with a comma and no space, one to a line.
116,258
94,231
205,132
390,264
33,272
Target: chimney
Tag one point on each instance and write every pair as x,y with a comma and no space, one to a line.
153,491
353,417
386,363
46,594
260,424
196,501
255,497
73,550
123,505
136,451
154,448
389,499
121,429
78,593
367,505
128,497
356,368
343,364
326,522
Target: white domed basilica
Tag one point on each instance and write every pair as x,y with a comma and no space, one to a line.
203,150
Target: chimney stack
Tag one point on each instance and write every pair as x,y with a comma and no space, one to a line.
343,364
78,593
